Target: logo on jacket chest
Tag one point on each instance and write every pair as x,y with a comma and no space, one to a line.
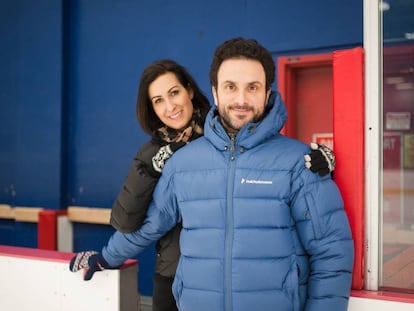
256,181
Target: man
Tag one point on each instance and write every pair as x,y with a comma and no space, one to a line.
259,230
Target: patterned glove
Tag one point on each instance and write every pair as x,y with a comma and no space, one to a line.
320,160
90,262
163,154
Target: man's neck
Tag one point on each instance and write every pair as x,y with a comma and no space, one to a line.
232,135
230,131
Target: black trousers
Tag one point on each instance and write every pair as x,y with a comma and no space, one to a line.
162,297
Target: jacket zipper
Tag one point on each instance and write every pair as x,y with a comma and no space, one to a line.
229,226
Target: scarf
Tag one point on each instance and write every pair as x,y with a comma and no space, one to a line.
194,128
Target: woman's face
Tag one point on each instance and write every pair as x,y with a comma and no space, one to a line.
171,101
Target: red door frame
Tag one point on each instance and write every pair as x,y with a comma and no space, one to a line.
348,121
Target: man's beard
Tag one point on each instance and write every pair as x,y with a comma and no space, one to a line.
234,127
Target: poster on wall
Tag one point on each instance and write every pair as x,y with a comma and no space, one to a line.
393,208
397,120
408,151
392,145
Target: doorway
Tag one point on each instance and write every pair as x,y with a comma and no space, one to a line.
305,84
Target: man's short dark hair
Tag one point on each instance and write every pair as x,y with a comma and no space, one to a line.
242,48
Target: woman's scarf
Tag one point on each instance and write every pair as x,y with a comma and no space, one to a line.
193,130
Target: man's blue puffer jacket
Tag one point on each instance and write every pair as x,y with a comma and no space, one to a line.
260,231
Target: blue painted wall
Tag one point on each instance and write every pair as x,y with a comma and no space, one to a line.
30,102
69,78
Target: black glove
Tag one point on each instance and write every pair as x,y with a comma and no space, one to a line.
320,160
90,262
163,154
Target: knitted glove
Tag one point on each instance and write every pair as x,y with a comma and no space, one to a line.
320,160
163,154
90,262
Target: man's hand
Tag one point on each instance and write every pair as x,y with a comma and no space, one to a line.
89,262
320,160
163,154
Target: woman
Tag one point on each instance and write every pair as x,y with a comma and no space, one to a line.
171,108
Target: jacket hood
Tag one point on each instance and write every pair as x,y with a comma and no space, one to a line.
251,134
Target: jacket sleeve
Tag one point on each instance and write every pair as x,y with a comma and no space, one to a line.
122,246
162,216
131,205
324,231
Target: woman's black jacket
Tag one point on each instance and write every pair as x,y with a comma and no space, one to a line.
131,205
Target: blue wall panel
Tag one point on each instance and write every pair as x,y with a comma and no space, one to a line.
292,26
16,233
7,232
25,234
30,103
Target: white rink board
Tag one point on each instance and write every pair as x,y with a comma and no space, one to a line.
47,285
365,304
42,281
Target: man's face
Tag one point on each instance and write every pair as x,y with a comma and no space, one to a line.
241,94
